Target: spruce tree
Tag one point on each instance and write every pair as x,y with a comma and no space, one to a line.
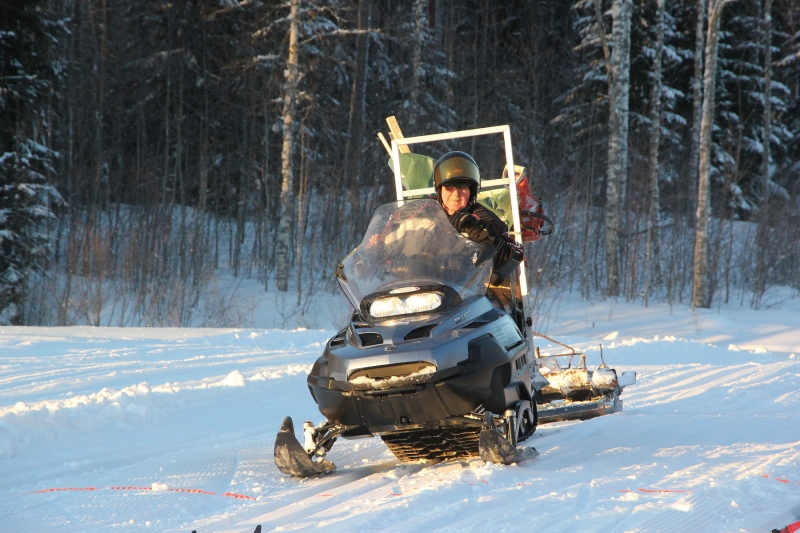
25,196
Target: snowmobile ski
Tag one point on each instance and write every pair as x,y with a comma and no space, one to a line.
292,459
495,448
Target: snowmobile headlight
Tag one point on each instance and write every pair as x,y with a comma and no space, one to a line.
387,307
417,303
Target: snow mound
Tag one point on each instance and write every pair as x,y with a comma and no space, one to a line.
290,370
234,379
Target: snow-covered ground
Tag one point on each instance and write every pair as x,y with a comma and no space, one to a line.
105,429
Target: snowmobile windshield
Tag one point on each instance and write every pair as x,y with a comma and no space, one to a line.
411,261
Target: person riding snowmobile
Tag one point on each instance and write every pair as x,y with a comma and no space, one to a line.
456,177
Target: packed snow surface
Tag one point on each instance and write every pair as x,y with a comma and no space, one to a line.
105,429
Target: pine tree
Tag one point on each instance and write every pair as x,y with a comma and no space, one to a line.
25,196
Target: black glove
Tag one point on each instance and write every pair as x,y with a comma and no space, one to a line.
517,252
474,228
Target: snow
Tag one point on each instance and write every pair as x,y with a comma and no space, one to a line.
394,381
158,429
604,378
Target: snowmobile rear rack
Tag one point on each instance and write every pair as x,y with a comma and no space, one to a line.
574,393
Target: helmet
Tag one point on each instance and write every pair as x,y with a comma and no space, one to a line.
457,168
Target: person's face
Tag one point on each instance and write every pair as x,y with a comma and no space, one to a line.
454,197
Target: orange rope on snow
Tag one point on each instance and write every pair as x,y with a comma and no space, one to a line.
782,480
62,489
182,490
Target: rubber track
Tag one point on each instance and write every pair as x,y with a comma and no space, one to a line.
442,443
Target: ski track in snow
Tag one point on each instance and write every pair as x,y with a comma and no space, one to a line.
707,431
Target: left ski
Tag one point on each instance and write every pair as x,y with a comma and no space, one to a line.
292,459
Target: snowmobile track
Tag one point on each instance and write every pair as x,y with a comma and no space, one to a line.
426,445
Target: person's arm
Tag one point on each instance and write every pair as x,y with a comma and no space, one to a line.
508,253
474,227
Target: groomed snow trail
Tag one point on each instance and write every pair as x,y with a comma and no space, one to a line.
172,430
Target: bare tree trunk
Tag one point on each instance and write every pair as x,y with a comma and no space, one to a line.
618,138
302,202
760,282
701,289
267,211
697,102
601,32
418,23
767,103
355,128
100,167
287,193
652,250
451,19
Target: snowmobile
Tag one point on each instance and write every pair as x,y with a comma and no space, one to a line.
438,358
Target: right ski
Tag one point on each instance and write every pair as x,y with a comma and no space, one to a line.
495,448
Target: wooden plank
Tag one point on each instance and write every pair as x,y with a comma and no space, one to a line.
396,133
385,143
452,135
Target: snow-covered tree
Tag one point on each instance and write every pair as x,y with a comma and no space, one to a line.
738,162
653,256
25,196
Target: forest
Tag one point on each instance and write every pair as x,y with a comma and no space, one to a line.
148,148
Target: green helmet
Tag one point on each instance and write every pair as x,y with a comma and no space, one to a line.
457,168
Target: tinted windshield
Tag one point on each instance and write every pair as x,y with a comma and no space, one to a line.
413,244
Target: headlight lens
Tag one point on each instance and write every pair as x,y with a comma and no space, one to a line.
387,307
416,303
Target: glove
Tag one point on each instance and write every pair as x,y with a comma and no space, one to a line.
517,252
474,228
